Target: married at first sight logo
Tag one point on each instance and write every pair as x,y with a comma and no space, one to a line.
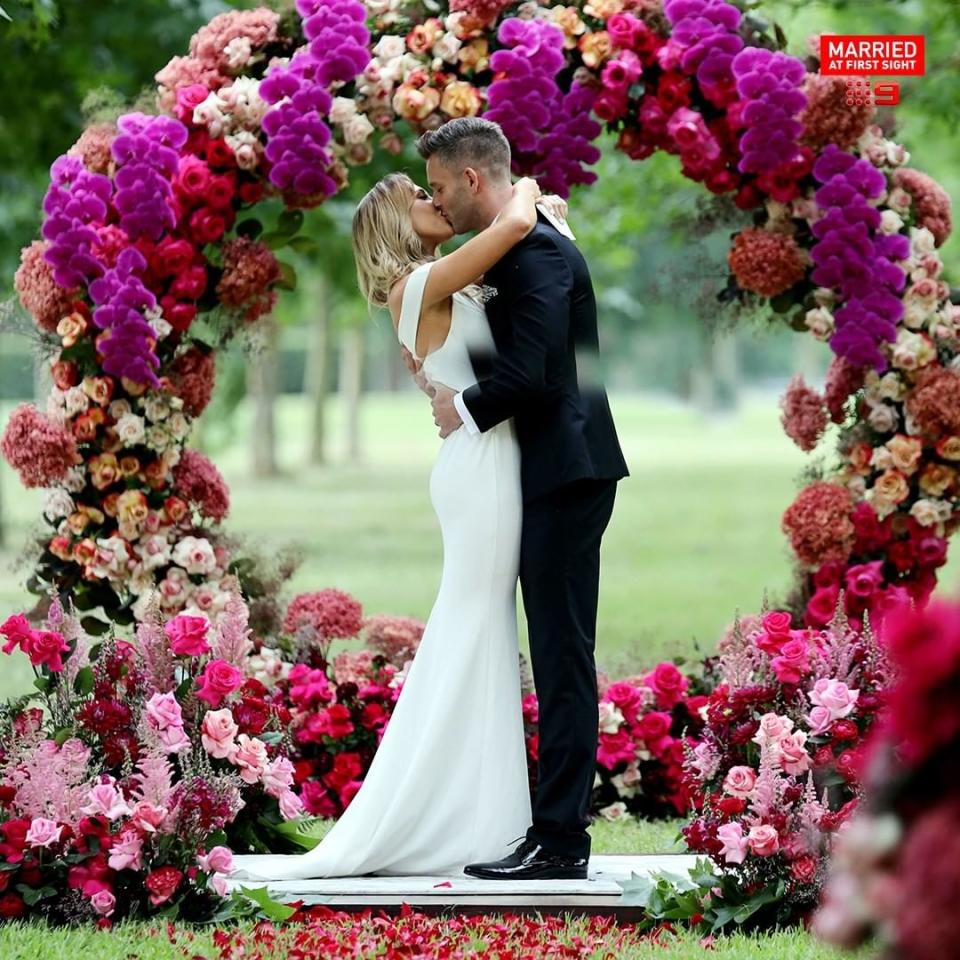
861,56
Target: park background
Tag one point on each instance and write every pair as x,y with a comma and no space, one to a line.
326,444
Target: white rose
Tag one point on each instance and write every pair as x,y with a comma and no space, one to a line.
881,458
157,438
130,429
154,551
178,425
858,487
447,47
357,129
897,154
820,322
824,297
921,240
246,149
389,48
195,555
208,114
890,222
915,315
111,559
891,387
899,200
58,503
75,480
155,407
343,109
75,401
928,512
238,52
883,418
119,408
623,789
610,717
616,811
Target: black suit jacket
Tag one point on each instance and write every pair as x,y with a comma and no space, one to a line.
544,375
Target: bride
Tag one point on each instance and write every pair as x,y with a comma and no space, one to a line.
448,783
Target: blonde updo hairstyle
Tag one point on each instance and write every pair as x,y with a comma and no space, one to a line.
385,245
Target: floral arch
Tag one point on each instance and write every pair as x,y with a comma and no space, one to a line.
150,240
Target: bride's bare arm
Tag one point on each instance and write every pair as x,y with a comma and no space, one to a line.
462,267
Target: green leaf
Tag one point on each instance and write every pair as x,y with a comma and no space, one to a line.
181,692
251,228
94,626
303,244
289,222
83,684
95,652
43,684
637,890
63,735
305,832
32,896
270,908
288,277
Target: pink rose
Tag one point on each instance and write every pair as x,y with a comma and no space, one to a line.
772,728
819,719
291,806
836,696
43,832
793,662
777,624
188,635
763,840
218,860
251,758
46,647
739,781
106,801
104,902
126,850
623,29
148,817
687,128
218,681
217,734
626,697
164,711
278,777
792,752
174,740
865,579
668,684
735,844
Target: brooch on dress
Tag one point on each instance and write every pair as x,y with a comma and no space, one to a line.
485,292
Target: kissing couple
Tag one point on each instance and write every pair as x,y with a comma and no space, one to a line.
502,334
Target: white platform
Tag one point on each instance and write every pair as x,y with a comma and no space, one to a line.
600,889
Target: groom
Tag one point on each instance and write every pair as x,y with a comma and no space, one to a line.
544,322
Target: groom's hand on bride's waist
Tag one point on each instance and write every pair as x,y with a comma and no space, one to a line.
445,414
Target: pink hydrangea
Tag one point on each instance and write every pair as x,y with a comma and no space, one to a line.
184,72
352,666
199,482
192,375
249,271
42,297
93,148
328,613
931,203
828,116
397,638
40,450
804,416
209,44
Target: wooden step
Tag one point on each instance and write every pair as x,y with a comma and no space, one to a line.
599,893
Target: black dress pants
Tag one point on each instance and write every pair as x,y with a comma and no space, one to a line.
559,581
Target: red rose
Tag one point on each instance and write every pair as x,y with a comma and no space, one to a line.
219,192
12,906
844,730
847,764
207,225
302,771
192,179
251,715
251,191
65,374
219,154
171,256
901,555
731,806
673,91
15,839
163,884
373,716
178,314
346,767
823,757
189,283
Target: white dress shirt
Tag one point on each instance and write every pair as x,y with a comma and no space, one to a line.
458,403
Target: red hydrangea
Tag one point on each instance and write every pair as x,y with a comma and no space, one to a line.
819,524
40,450
330,614
199,482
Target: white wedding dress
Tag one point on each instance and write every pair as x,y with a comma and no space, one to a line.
448,783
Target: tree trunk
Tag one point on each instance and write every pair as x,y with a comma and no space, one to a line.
262,376
351,385
715,380
316,378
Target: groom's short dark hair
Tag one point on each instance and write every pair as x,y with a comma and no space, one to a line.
469,142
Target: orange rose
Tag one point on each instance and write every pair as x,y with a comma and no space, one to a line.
60,547
71,328
475,56
568,20
129,466
85,426
104,470
860,455
892,486
99,389
155,474
460,99
78,522
132,509
603,9
85,551
413,104
905,452
421,38
137,389
936,479
595,48
949,448
95,515
110,503
175,509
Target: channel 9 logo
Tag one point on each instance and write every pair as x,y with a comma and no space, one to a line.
862,92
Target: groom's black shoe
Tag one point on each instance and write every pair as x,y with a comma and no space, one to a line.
530,862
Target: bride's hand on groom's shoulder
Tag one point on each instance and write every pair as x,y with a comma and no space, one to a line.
555,205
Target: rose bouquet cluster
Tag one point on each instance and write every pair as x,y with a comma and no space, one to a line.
148,761
647,723
895,870
776,768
